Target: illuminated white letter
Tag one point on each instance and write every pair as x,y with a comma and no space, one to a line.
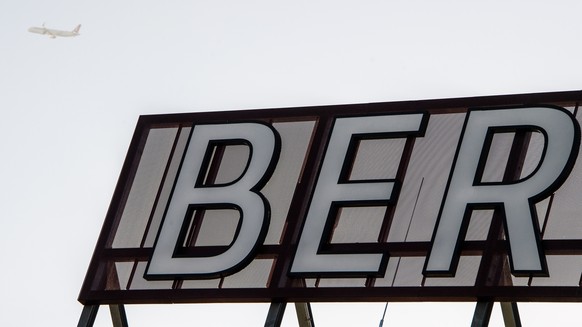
243,194
331,191
516,199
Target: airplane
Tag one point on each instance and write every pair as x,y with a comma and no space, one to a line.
52,33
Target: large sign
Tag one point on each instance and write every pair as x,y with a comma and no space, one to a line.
457,199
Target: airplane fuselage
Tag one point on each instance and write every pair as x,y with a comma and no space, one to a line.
52,33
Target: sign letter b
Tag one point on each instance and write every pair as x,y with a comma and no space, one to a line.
242,194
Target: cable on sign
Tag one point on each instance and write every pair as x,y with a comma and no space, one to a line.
383,315
408,230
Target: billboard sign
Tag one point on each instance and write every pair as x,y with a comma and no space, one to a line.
455,199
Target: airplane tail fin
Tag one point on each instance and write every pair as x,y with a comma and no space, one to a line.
76,30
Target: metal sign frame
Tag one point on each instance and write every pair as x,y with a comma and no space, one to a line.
491,283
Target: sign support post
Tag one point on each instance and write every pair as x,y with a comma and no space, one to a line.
277,310
118,315
510,314
275,314
482,314
304,314
89,313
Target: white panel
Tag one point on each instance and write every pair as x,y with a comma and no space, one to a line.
409,272
295,140
167,187
479,225
358,225
123,270
564,271
139,283
342,282
431,161
389,276
200,283
218,227
144,188
565,220
497,157
377,159
465,276
234,160
255,275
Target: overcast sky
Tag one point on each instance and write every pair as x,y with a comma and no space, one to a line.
69,107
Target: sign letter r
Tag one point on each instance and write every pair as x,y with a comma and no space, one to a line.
515,200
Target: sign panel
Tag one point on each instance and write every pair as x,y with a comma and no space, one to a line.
437,200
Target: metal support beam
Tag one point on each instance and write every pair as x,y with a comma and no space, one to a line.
304,315
88,315
118,316
275,314
510,314
482,314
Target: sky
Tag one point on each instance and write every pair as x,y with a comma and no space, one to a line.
69,107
